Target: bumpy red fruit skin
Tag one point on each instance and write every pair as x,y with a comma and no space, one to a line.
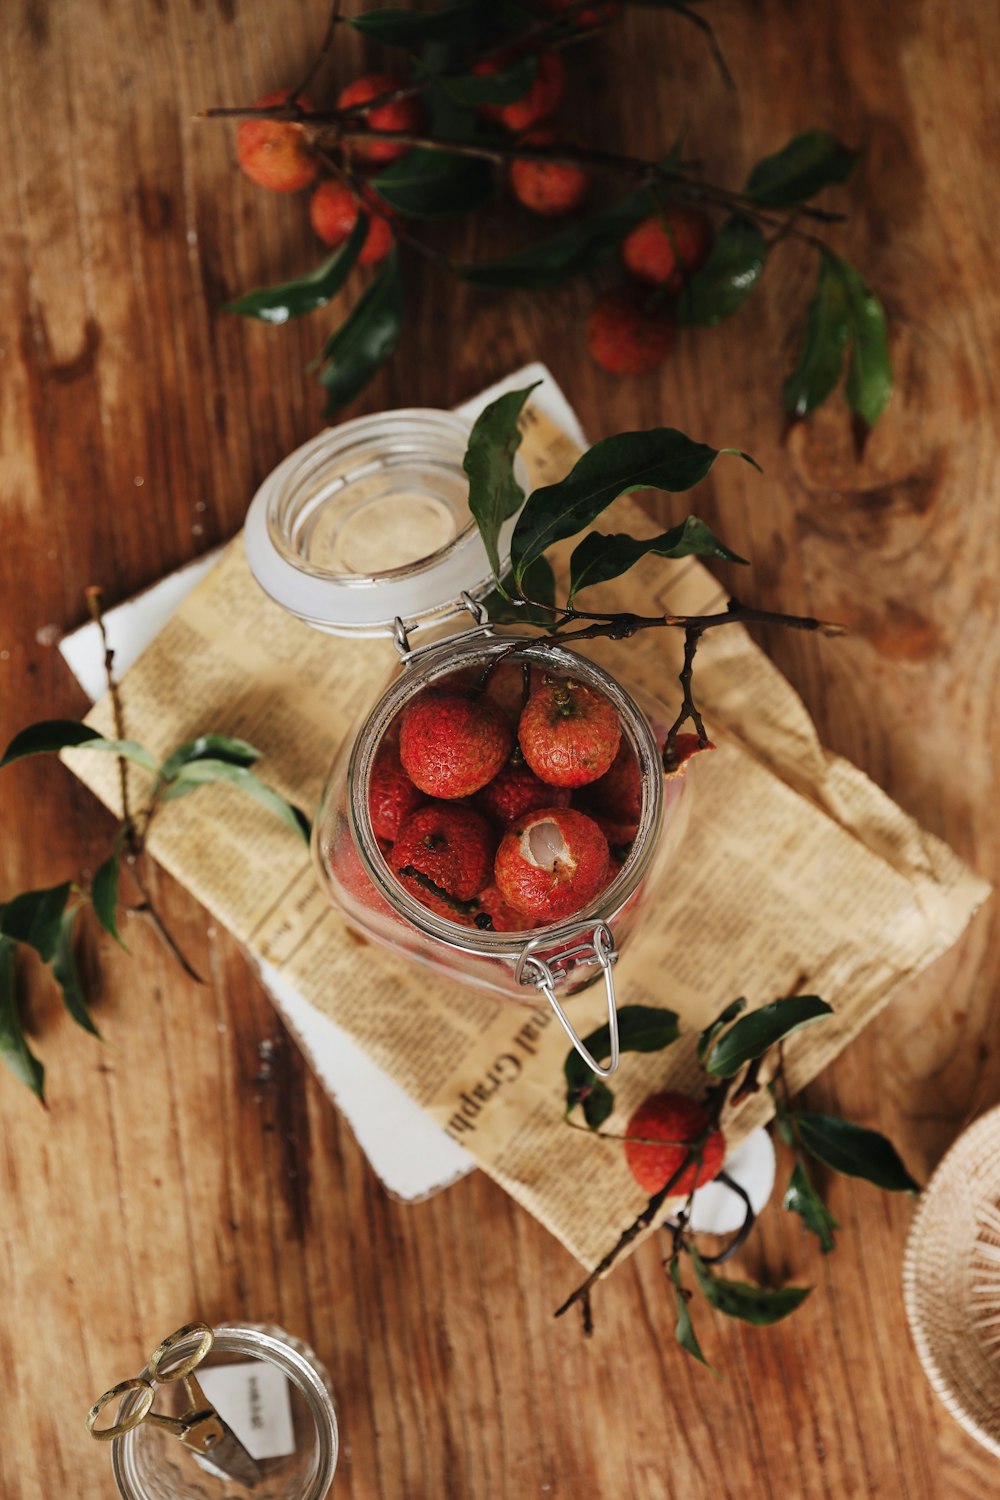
626,338
549,188
404,115
451,846
540,101
333,213
590,15
671,1118
516,790
665,248
685,745
618,793
392,797
452,746
569,732
550,894
274,153
503,917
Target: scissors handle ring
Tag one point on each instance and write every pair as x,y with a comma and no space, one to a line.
123,1424
181,1371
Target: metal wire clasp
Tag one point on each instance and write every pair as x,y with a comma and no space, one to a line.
531,969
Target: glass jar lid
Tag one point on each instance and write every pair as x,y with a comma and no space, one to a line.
369,522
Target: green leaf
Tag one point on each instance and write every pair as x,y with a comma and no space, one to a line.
809,163
751,1304
539,587
707,1037
727,278
641,1028
494,493
504,87
600,557
34,918
393,27
104,895
66,974
14,1050
205,772
822,356
291,299
751,1036
427,184
782,1118
365,339
869,371
209,747
598,1104
661,459
68,734
684,1328
854,1151
802,1198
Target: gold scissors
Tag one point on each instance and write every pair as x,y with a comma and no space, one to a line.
199,1428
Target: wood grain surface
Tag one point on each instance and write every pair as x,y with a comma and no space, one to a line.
191,1166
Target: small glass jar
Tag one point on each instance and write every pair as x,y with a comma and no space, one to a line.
392,489
150,1464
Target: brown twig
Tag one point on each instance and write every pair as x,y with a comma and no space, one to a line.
95,604
321,55
149,910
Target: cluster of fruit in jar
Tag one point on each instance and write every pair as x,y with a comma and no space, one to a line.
506,803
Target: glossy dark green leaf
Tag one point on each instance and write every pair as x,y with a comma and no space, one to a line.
427,184
600,557
209,747
393,26
809,163
855,1151
707,1037
291,299
751,1036
869,370
14,1050
727,278
33,917
751,1304
539,589
641,1028
598,1103
207,772
684,1328
68,734
494,493
67,976
802,1198
822,358
661,459
504,87
104,895
366,338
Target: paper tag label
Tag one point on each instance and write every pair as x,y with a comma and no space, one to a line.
254,1400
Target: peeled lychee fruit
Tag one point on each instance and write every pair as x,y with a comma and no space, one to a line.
516,790
569,732
674,1122
547,187
666,247
275,153
626,337
537,104
333,213
551,863
392,797
451,746
444,857
402,114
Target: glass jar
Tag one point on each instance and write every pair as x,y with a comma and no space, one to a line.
392,489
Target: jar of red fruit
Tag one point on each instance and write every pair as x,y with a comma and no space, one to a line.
501,810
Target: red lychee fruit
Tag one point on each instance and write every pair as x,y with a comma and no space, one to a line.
674,1122
392,797
444,857
569,732
551,863
589,15
516,790
506,687
402,114
495,915
541,99
547,187
452,746
617,794
352,875
333,213
275,153
626,337
666,247
685,745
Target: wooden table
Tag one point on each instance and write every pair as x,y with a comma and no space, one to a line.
191,1166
